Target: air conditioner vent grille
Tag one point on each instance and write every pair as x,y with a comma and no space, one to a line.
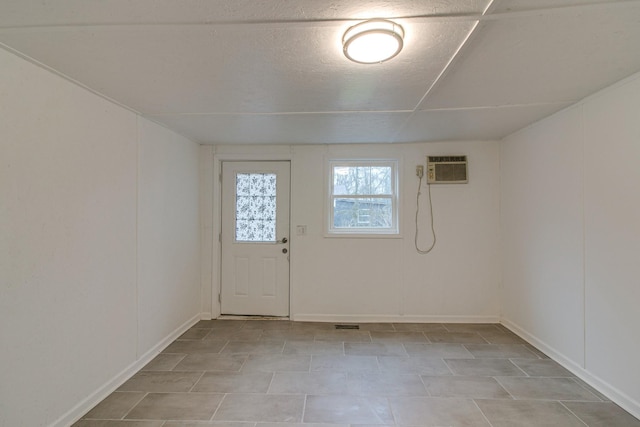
447,170
442,159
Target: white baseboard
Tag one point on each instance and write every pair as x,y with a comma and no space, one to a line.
620,398
385,318
75,413
206,316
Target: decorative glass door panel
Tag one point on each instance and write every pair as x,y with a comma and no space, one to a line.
255,231
256,207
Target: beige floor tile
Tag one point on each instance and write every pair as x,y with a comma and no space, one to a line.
260,407
336,409
541,368
302,425
267,325
537,352
510,413
455,337
591,389
369,425
503,351
160,381
440,351
274,373
277,363
484,367
287,334
374,349
228,382
428,411
419,327
204,346
309,383
604,414
257,347
546,389
473,327
343,363
176,406
343,335
311,347
117,423
384,327
313,326
413,364
501,337
164,362
116,405
220,324
398,337
205,424
385,384
236,335
212,362
465,387
195,334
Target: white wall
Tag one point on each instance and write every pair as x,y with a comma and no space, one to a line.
77,311
362,279
571,238
168,233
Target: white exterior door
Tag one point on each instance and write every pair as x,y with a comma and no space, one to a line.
255,233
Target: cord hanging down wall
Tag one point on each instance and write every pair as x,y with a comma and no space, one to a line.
420,174
440,170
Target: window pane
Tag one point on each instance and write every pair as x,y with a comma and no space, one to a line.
381,180
361,180
256,207
362,213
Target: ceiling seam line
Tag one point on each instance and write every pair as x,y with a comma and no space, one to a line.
494,107
81,85
440,76
66,77
284,113
443,18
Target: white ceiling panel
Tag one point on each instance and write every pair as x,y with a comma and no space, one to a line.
472,124
522,5
552,57
19,13
319,128
273,71
247,69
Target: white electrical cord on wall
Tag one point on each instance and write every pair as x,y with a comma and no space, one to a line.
433,231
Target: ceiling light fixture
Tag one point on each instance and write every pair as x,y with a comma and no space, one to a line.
373,41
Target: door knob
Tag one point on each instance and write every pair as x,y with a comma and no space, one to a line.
284,240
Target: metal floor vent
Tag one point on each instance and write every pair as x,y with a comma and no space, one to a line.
347,326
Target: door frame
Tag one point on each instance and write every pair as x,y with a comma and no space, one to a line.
283,154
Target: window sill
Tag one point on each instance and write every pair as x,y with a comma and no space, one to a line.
356,235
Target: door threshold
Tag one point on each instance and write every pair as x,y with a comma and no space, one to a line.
250,317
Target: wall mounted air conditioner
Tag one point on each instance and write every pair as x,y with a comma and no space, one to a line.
447,170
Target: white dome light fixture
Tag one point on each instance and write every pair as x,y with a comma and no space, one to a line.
373,41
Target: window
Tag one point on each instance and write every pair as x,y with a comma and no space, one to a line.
363,197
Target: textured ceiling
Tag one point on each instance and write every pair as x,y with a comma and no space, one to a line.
272,71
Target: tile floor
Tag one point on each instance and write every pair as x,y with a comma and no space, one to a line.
267,373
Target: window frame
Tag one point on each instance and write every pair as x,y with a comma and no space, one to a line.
370,232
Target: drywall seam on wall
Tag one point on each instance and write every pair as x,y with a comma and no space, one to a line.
603,135
137,231
584,246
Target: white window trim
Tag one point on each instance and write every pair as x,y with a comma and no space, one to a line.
389,233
